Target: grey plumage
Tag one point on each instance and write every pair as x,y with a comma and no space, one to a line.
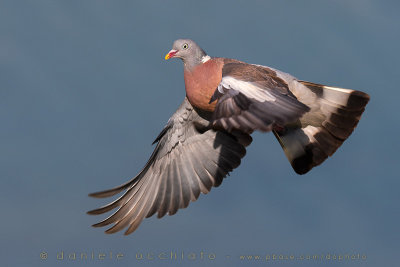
188,160
334,114
206,137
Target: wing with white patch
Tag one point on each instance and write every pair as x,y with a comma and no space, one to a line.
252,97
188,160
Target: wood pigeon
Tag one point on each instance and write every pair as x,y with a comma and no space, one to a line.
226,100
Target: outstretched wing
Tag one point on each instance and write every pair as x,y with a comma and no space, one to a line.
188,160
252,97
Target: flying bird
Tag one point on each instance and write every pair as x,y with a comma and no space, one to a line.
206,138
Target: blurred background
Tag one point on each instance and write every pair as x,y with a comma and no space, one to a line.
85,89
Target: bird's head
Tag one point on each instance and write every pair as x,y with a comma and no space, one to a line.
187,50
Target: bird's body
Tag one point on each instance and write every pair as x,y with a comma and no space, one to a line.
226,100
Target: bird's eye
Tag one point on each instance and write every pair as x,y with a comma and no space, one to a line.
185,46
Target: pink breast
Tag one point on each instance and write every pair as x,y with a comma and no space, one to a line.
202,82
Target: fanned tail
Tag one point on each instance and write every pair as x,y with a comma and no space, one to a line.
319,133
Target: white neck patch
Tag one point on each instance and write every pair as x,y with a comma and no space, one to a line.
205,59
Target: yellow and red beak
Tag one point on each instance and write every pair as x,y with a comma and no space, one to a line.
171,54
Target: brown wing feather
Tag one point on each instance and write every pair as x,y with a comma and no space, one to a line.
252,98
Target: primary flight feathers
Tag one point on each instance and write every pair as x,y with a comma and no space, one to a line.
226,100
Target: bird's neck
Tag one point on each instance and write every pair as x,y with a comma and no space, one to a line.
192,62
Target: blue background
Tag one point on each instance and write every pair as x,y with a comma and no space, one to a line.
84,90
